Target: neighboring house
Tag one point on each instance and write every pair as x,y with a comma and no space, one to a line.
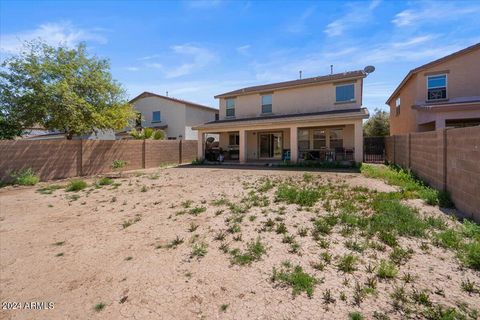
317,118
38,133
176,117
444,93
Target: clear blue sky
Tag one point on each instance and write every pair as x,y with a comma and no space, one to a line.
198,49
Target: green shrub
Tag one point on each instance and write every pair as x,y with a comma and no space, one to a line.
104,181
299,280
347,263
392,215
355,316
386,270
254,252
118,164
471,230
76,185
470,255
49,189
411,186
26,177
449,239
293,195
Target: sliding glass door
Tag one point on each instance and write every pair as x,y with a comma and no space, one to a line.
270,145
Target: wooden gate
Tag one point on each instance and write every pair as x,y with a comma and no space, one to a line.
374,149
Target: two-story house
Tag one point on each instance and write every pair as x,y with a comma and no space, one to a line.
175,116
444,93
316,118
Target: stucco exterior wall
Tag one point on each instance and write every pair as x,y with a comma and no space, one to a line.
195,116
463,80
406,121
314,98
172,114
446,159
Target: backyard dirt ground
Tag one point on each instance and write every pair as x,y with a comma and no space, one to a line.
159,244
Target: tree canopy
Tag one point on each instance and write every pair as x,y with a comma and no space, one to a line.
377,125
60,88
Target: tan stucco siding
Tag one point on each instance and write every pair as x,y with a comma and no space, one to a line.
195,116
463,80
315,98
406,120
172,114
463,77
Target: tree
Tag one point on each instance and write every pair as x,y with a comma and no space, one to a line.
147,133
60,89
378,124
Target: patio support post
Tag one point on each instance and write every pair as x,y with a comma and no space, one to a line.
294,144
200,145
243,145
358,141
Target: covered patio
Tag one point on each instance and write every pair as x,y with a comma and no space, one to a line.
289,138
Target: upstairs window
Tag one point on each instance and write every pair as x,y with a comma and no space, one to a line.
217,117
437,87
230,109
397,106
267,103
156,116
345,93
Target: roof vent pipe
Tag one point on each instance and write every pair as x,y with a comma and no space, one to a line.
300,74
331,69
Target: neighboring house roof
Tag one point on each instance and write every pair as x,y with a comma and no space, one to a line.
430,65
358,112
150,94
296,83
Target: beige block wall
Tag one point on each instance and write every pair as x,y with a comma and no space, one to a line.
424,148
463,169
189,150
447,159
98,156
49,159
316,98
159,153
63,159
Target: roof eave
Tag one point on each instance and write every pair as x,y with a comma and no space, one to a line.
235,93
361,114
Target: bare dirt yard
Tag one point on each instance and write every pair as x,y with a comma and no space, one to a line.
218,243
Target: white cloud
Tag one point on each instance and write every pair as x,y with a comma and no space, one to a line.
63,33
132,68
356,14
203,4
199,57
244,50
414,41
154,65
150,57
434,12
